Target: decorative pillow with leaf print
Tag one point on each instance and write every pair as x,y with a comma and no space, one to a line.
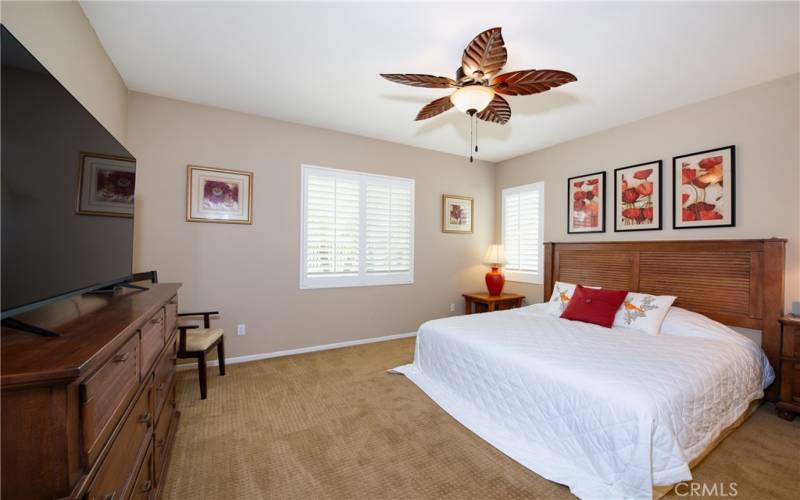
643,312
562,293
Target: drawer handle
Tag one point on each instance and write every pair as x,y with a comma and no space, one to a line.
110,496
145,418
147,486
155,320
161,386
121,358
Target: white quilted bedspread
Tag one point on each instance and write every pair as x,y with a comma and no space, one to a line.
609,413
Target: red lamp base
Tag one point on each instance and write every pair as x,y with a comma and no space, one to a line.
495,281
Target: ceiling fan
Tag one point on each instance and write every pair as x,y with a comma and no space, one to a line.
478,84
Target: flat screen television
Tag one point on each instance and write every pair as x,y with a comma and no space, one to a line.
66,200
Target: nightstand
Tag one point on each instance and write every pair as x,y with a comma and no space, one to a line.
484,302
789,371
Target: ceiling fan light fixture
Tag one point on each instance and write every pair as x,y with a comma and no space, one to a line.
472,98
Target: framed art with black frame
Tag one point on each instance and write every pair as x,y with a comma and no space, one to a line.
704,189
586,203
637,197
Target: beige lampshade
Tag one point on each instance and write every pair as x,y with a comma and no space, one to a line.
472,98
495,255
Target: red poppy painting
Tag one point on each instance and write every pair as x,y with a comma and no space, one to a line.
457,214
586,211
637,197
107,185
703,189
219,195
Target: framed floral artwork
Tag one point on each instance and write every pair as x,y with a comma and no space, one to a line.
586,203
106,185
703,189
637,197
458,214
219,195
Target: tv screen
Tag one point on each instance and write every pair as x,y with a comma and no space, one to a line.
67,190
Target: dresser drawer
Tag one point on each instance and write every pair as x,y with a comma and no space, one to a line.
144,486
120,466
152,340
171,321
163,429
164,374
105,396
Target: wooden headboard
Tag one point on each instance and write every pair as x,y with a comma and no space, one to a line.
736,282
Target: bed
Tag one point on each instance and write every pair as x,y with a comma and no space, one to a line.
613,413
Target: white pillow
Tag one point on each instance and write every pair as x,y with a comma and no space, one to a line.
685,323
680,322
562,292
643,312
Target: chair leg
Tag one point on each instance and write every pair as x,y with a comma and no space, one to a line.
201,368
221,356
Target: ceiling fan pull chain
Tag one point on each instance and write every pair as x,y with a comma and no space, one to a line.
476,133
470,139
469,148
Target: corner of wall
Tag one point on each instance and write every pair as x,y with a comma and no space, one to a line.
60,36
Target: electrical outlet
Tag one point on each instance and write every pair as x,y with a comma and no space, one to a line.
452,308
240,330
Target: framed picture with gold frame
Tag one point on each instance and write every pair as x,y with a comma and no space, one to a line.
219,195
458,214
106,185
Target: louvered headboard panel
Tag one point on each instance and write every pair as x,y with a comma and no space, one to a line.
736,282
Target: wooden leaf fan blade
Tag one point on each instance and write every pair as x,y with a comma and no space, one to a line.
485,53
530,81
434,108
416,80
498,111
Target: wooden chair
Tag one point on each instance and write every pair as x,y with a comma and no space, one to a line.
196,342
151,276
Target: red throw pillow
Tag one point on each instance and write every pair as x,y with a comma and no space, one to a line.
593,305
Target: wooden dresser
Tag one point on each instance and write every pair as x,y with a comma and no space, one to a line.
789,372
91,415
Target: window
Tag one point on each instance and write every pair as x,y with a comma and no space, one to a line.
357,229
523,226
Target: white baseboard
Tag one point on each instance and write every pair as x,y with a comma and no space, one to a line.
301,350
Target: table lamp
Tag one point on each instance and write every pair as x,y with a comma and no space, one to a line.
495,257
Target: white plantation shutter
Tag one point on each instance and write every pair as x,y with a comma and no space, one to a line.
332,225
523,226
388,220
357,229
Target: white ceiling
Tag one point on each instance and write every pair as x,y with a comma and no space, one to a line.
318,64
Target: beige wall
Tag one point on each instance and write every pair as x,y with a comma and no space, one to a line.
251,273
761,121
60,36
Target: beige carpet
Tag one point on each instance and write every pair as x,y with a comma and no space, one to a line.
334,424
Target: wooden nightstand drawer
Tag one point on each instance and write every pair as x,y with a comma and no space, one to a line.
483,302
789,370
791,344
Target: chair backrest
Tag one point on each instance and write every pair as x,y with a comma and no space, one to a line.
151,276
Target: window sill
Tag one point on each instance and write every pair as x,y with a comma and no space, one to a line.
333,282
523,277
